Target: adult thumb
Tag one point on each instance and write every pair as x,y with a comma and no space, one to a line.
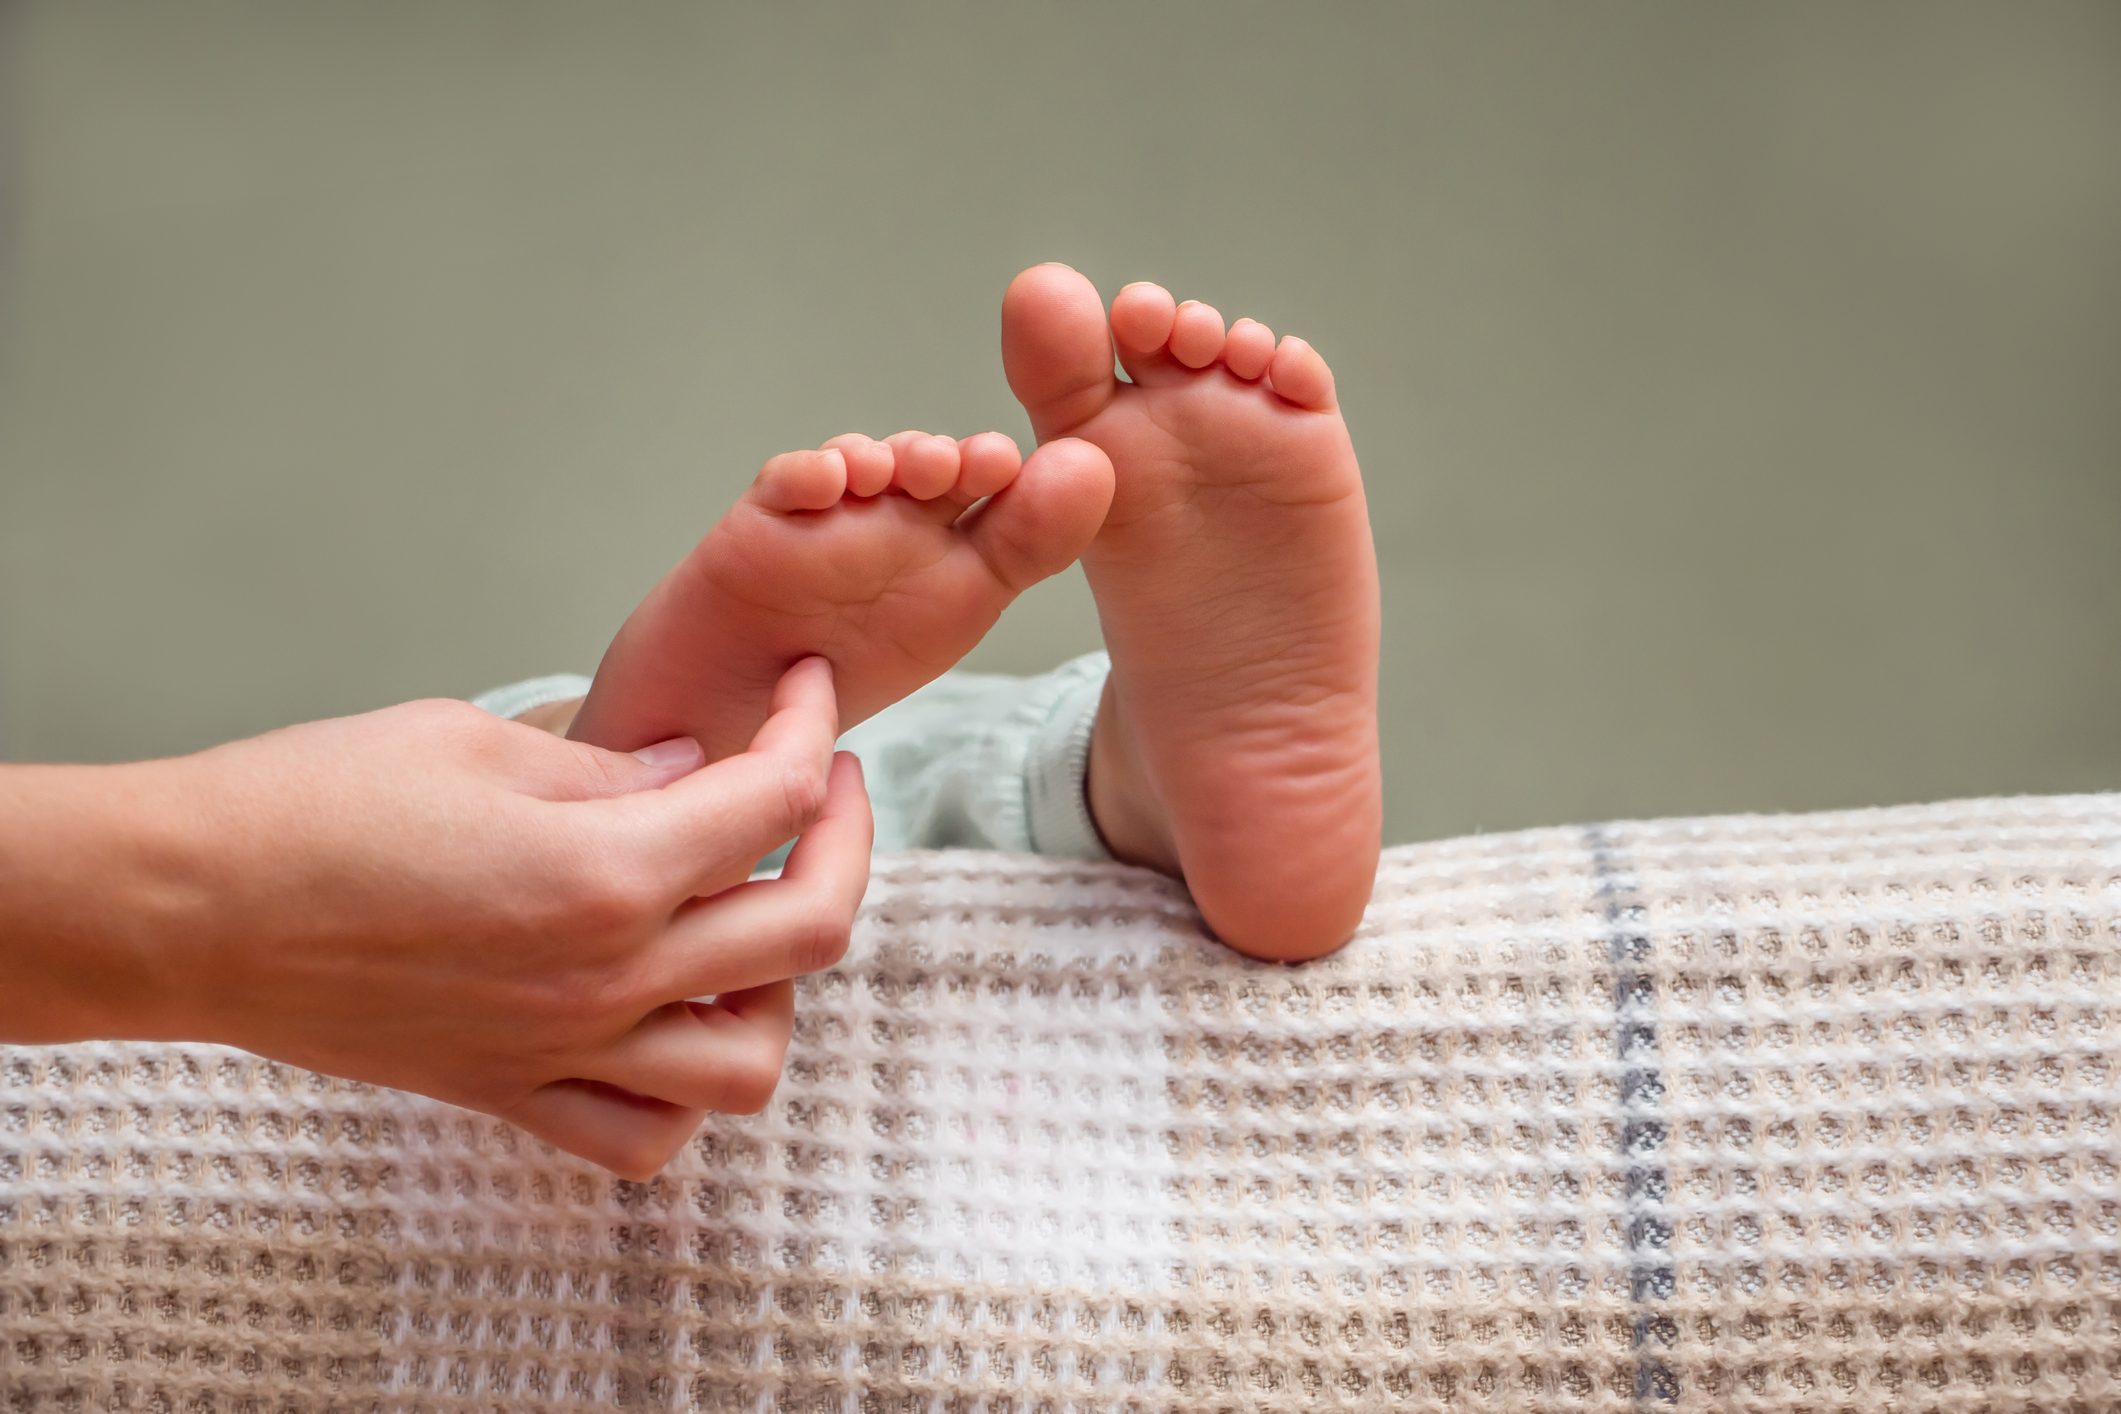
592,773
667,761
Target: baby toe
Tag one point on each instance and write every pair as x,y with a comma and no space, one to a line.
927,464
1249,349
1142,316
987,462
869,462
1197,334
801,481
1300,375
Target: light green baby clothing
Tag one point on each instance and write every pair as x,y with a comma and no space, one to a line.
971,761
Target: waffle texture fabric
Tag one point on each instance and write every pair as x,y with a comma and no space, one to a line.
1769,1114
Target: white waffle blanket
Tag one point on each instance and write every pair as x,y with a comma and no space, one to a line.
1805,1113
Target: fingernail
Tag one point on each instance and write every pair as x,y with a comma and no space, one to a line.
678,753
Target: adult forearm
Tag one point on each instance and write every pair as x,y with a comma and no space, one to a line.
99,901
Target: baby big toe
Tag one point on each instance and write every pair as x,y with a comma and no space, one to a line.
1041,522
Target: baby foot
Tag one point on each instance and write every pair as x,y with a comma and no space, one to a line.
890,559
1237,585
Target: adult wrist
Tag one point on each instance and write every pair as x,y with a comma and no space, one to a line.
104,903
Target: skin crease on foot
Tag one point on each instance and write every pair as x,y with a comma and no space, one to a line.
890,558
1236,582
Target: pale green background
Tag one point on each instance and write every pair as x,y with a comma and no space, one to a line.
1739,386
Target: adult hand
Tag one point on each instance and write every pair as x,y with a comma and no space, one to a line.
433,898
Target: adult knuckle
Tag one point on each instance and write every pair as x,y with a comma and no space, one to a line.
469,734
820,937
448,717
600,773
613,993
557,996
802,794
749,1083
640,1155
603,897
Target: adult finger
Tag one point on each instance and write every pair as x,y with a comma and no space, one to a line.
774,928
701,834
562,770
723,1055
633,1135
803,718
543,765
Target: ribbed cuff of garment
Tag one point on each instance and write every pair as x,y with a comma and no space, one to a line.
1057,762
984,761
519,697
